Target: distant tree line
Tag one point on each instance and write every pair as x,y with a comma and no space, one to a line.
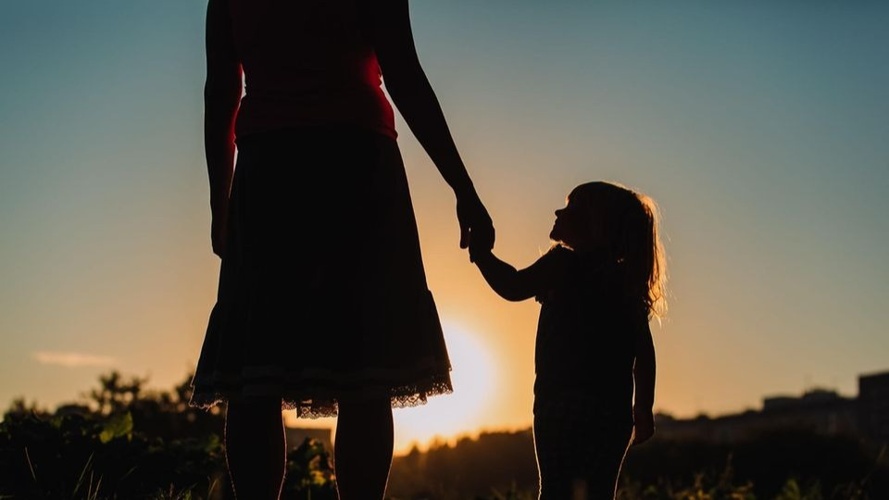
494,465
789,464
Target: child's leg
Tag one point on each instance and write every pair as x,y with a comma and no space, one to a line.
580,450
553,458
605,457
363,448
554,482
255,448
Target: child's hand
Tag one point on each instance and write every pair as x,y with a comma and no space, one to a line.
643,425
480,243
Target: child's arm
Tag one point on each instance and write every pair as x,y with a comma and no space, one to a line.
644,372
508,282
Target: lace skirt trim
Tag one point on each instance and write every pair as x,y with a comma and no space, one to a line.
314,393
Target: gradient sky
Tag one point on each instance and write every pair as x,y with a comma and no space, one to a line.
761,128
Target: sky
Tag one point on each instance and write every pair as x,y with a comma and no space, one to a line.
761,128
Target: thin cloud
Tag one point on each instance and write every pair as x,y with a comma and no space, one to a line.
72,359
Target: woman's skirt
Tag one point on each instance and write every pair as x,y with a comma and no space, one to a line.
322,290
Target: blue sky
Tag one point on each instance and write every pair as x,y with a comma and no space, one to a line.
760,127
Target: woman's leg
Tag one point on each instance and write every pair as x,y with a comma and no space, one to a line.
255,448
363,448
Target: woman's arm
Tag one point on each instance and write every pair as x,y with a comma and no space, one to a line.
389,29
222,94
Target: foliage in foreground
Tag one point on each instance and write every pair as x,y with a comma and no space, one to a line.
126,443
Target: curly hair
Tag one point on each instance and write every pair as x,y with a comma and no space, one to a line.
631,222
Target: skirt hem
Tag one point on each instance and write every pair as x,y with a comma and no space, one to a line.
320,403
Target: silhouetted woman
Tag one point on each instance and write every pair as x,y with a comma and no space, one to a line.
323,305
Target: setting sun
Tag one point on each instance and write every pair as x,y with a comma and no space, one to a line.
473,374
447,417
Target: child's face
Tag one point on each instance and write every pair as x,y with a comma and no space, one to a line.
577,226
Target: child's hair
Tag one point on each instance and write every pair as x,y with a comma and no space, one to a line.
631,225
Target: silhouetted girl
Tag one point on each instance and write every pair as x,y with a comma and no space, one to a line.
599,285
322,303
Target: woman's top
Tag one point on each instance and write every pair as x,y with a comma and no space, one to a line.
586,331
307,63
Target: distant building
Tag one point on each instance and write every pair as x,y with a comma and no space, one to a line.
819,410
873,407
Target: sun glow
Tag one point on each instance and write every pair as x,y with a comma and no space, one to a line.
447,417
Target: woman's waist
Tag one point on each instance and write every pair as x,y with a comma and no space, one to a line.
315,93
269,110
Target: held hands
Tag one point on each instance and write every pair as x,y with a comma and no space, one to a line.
476,228
479,247
643,425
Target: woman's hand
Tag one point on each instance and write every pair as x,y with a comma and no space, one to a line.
219,233
475,223
643,425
